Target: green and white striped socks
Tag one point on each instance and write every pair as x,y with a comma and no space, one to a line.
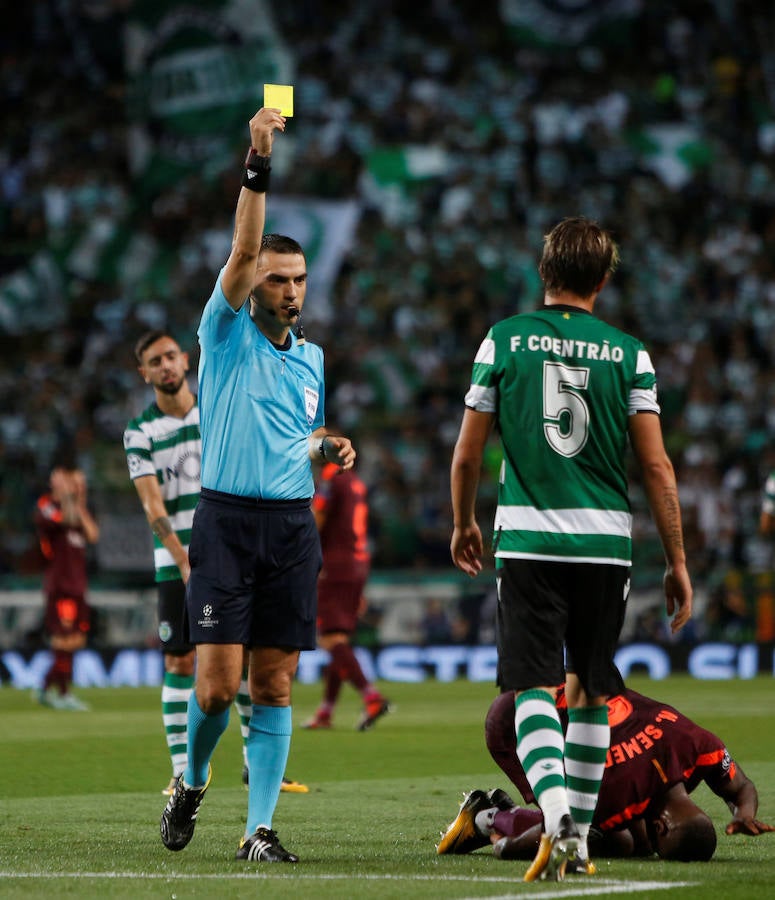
540,748
564,773
245,710
175,692
586,747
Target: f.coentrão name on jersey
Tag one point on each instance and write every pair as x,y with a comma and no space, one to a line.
545,343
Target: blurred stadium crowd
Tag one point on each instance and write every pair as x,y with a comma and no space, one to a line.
661,126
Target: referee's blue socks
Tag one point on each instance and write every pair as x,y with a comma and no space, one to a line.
268,745
204,732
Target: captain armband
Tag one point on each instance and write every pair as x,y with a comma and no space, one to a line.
257,169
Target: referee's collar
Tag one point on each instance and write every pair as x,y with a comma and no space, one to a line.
286,344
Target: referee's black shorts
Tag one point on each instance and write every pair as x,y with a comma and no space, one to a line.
254,570
547,608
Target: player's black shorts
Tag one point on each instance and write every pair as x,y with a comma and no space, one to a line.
173,629
545,608
254,570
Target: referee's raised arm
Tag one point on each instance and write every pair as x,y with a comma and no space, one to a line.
239,273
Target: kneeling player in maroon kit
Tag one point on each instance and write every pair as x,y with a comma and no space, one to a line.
341,513
656,759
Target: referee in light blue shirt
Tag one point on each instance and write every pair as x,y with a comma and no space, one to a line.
255,551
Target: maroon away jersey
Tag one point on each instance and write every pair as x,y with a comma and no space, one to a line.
653,747
64,548
344,536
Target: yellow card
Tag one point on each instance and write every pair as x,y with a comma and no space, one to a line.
279,96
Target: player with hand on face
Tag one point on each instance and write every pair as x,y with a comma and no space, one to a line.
65,527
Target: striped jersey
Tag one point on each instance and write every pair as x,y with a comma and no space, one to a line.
562,385
169,448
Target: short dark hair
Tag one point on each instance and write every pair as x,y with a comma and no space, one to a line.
280,243
692,840
577,256
65,457
145,341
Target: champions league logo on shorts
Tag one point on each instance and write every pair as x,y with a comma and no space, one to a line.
206,621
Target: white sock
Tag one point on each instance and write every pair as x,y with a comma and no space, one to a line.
484,820
554,805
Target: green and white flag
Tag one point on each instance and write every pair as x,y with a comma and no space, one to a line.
196,73
564,23
407,163
31,297
673,151
326,230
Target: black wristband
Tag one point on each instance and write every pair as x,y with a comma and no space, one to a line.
257,169
322,448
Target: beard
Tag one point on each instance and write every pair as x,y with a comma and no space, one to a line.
171,387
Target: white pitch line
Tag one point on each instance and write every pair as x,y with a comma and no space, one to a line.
253,874
600,888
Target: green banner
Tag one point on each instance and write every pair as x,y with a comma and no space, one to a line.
567,23
197,73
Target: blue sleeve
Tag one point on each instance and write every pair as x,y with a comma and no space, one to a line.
218,318
320,416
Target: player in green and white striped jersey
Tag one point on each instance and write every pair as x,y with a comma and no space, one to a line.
166,448
566,392
163,447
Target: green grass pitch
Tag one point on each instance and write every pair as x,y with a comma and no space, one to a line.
80,802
